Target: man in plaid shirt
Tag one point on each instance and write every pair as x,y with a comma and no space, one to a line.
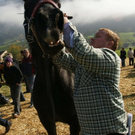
97,98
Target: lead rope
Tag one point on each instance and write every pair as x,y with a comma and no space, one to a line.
34,32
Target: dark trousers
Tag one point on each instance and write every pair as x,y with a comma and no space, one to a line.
27,85
15,93
3,122
123,62
131,61
30,80
22,98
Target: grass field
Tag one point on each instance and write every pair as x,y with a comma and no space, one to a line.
28,123
127,37
7,45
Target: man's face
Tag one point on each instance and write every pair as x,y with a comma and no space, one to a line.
26,54
99,40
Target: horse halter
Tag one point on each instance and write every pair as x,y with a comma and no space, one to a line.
40,2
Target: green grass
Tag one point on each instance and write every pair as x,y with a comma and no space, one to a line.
127,37
8,41
6,47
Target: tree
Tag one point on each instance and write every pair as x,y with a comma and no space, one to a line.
15,50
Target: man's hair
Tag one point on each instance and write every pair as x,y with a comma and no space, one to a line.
111,36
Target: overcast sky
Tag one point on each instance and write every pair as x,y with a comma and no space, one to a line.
83,11
88,11
9,13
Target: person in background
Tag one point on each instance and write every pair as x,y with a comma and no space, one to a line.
16,63
134,57
13,77
123,57
28,70
98,100
22,52
27,86
131,56
4,122
134,53
14,60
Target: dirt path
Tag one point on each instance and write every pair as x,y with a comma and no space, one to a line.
28,123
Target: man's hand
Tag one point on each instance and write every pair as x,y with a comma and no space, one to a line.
53,49
65,18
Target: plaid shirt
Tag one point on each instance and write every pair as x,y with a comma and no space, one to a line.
97,98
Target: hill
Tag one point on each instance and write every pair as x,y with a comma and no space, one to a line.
10,33
121,26
11,28
127,40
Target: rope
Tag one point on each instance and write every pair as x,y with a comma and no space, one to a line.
34,32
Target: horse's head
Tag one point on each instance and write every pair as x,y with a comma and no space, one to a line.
47,20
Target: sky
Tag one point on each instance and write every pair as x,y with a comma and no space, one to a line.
83,11
9,13
89,11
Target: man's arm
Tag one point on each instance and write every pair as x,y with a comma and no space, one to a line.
92,59
65,60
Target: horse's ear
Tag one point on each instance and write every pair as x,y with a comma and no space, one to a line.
59,4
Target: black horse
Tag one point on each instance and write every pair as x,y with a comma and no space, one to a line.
53,88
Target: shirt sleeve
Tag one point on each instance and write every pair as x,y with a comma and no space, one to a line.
68,35
65,60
